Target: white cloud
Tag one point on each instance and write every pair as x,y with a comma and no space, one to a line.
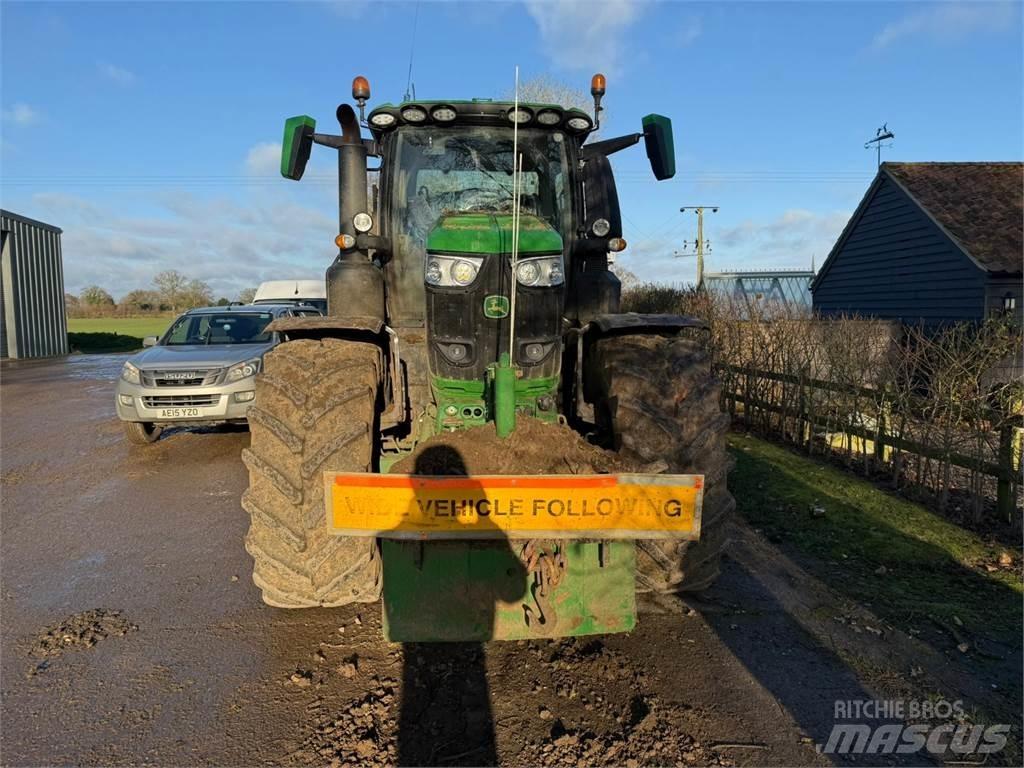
228,244
789,241
21,114
116,74
948,21
689,31
264,159
583,35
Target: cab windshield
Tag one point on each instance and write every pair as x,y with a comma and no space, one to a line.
226,328
469,169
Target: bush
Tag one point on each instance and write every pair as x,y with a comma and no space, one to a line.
103,342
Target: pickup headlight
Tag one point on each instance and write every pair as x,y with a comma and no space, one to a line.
544,271
240,371
131,374
451,271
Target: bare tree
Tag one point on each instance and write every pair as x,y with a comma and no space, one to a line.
141,300
196,294
544,89
246,295
626,277
171,285
95,296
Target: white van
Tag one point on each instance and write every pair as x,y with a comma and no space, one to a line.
313,292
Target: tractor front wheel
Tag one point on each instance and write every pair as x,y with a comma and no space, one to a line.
658,401
315,409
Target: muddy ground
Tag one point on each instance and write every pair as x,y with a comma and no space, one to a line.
131,633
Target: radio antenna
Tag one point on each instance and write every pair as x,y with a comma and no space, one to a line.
517,166
505,371
410,89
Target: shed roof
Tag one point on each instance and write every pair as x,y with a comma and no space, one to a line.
26,220
979,205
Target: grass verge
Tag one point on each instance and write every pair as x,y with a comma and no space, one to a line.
137,327
113,334
907,563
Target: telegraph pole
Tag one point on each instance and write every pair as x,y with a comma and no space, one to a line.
700,243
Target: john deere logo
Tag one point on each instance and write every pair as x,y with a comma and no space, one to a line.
496,307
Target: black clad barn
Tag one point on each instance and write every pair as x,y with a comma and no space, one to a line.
930,243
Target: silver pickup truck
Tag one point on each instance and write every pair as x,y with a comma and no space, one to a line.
201,371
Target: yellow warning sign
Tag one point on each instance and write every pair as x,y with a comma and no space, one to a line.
505,506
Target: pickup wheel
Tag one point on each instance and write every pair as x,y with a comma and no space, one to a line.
142,432
316,408
657,401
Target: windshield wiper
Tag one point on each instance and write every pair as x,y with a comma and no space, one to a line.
483,170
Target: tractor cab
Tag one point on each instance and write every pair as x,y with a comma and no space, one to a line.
463,188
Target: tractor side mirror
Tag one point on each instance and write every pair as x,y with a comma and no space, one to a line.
660,147
296,146
602,199
149,341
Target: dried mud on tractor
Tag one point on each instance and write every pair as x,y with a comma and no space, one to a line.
534,448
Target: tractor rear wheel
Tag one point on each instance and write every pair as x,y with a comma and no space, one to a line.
658,401
316,408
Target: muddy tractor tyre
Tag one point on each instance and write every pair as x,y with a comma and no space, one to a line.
658,401
316,408
142,432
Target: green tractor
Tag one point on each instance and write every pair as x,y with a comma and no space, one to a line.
474,288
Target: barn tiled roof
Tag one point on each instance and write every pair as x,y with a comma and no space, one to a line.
981,205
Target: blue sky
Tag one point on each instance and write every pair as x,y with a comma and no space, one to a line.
149,131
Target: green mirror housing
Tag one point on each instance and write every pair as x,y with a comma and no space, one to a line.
296,146
660,147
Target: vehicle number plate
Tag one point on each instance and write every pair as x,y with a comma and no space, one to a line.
179,413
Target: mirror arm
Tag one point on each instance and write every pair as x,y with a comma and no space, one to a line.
327,140
378,243
611,146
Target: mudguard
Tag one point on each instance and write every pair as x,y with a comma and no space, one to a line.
365,329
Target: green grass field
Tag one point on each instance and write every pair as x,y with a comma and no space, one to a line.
904,560
113,334
138,327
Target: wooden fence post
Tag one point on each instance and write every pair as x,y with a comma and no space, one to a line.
880,438
1004,486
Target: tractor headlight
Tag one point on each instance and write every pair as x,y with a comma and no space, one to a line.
528,273
363,222
451,271
520,115
578,121
240,371
549,117
543,271
382,119
414,114
443,114
130,374
464,272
